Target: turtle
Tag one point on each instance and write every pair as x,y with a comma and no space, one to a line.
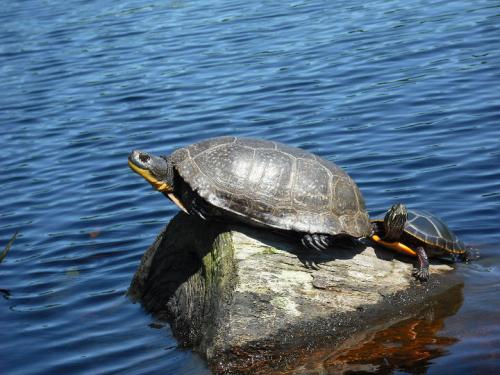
262,183
418,233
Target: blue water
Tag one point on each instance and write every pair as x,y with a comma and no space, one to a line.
403,95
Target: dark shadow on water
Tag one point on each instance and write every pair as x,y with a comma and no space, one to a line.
5,293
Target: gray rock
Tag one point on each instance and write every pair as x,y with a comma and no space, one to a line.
250,300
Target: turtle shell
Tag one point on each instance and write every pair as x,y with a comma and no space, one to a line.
274,185
431,230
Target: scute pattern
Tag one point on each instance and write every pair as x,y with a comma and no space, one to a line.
312,189
433,231
274,185
347,197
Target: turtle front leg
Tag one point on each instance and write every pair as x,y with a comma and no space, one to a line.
422,271
315,241
197,208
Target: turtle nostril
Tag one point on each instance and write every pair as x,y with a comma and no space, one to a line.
144,158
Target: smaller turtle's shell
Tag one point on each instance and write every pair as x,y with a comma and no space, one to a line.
431,230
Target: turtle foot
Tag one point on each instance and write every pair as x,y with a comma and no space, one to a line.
311,265
422,270
318,242
421,274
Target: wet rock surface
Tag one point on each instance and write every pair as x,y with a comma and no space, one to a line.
251,301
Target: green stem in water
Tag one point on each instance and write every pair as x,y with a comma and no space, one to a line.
7,248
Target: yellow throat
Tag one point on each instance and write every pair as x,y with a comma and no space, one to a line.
158,185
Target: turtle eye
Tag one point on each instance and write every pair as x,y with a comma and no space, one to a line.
144,158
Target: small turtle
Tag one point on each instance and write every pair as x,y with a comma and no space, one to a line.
261,183
417,233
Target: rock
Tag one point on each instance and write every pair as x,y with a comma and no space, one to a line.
249,300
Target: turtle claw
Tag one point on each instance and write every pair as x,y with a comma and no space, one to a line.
323,240
311,264
318,242
308,242
311,242
421,274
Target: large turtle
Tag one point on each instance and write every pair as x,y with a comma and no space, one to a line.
418,233
262,183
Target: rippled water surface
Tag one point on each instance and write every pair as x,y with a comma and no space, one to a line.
403,95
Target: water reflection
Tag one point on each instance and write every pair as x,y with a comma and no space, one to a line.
408,346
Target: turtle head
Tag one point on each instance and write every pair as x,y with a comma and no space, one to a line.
394,222
155,170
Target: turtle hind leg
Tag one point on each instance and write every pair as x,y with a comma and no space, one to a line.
469,255
315,241
422,270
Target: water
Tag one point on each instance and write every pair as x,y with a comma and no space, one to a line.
403,95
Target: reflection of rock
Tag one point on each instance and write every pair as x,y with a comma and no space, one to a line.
246,301
407,346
